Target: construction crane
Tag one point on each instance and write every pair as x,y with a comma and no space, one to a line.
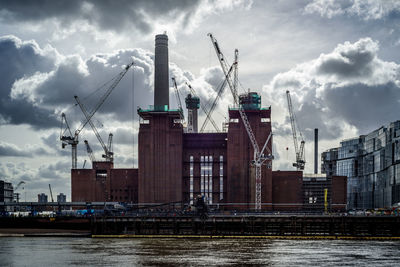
214,104
109,143
178,98
72,139
108,155
16,195
19,185
300,156
51,194
89,151
203,107
259,158
236,71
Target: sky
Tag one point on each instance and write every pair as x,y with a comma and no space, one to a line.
339,60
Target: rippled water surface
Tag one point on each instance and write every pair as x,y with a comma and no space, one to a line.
37,251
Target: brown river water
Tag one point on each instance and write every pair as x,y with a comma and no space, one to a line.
55,251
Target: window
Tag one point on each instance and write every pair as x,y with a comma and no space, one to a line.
191,180
221,177
210,178
101,174
206,177
202,175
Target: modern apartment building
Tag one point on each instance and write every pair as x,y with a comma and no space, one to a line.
372,164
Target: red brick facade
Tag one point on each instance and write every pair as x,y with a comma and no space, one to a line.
104,183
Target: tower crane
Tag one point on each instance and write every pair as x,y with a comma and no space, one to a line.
19,185
203,108
259,158
109,143
16,195
300,156
214,104
236,71
72,139
108,155
51,194
89,151
178,98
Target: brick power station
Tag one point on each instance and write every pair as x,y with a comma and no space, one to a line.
176,165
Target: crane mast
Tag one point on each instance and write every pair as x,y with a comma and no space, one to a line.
109,143
178,98
259,157
300,157
236,72
51,194
69,139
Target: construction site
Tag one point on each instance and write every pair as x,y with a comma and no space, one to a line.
231,169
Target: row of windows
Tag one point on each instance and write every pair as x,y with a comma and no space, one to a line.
206,181
206,177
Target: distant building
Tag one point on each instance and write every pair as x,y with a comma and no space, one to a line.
42,198
315,186
372,164
61,198
6,193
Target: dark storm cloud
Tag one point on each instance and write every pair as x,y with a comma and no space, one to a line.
116,15
54,90
363,105
349,87
37,97
20,59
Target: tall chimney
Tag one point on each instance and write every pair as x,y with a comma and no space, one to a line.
316,150
161,73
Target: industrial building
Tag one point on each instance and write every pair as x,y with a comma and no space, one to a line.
372,164
178,163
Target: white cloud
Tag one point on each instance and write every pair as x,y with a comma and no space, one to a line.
365,9
345,92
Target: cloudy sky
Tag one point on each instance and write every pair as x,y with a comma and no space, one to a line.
339,59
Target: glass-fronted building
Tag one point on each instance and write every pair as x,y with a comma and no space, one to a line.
372,165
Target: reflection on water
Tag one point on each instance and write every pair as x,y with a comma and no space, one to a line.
186,252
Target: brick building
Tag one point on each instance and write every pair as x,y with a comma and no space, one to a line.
177,164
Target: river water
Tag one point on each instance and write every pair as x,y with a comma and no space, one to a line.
52,251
